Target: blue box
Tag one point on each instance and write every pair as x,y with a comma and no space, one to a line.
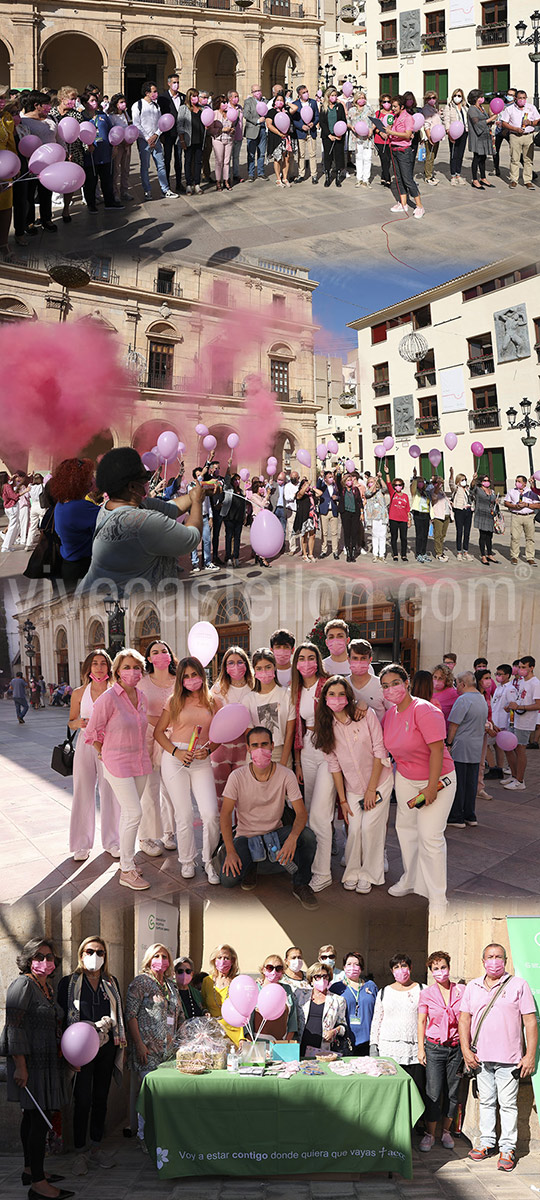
286,1052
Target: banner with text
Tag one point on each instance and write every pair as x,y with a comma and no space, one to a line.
524,934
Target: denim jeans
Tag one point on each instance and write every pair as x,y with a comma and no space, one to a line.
442,1078
463,808
21,708
497,1083
279,512
206,546
145,154
303,857
256,151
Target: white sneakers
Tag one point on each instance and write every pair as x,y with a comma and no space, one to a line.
168,195
212,875
419,213
514,785
101,1158
188,870
399,890
399,207
363,887
114,851
168,841
81,855
150,847
80,1165
427,1143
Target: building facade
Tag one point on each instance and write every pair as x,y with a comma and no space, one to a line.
443,45
482,343
166,320
216,44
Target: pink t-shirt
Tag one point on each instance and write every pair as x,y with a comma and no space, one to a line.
409,734
259,806
357,743
402,124
156,700
445,700
121,728
500,1037
442,1022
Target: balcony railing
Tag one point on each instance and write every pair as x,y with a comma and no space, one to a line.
492,35
426,377
433,43
484,418
163,381
388,5
483,364
167,287
282,8
105,275
387,48
381,387
381,430
426,426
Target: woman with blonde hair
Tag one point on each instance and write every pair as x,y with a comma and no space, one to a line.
154,1014
66,106
233,685
88,767
462,507
117,731
282,1028
186,771
92,994
456,110
215,988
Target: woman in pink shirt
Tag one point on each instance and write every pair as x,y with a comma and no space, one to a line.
117,730
356,757
157,685
438,1047
414,733
444,692
399,135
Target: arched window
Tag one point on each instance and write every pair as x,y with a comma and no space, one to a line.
281,357
12,309
96,636
147,628
62,660
233,626
162,337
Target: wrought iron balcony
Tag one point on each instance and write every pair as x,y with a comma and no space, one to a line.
433,43
426,377
381,387
492,35
387,48
282,8
426,426
483,364
167,287
484,418
381,430
388,5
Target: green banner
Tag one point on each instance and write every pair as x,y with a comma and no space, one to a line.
524,934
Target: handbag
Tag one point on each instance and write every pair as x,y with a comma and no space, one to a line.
63,754
45,561
498,522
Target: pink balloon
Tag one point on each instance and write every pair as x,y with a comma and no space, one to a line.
537,475
203,642
167,444
166,122
415,451
506,739
231,721
232,114
450,440
63,177
244,474
181,447
272,459
437,133
151,462
68,128
207,116
435,457
418,121
266,534
117,135
131,134
282,122
304,457
271,468
456,129
210,442
322,451
272,1001
28,144
88,133
201,430
340,128
477,449
230,1014
496,105
45,156
262,108
80,1043
243,993
349,465
332,445
232,441
380,451
10,164
388,442
348,88
306,113
361,128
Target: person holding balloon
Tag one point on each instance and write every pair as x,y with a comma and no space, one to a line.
351,511
91,996
221,132
306,518
376,515
380,140
399,135
233,686
66,107
98,156
462,508
441,509
399,514
146,116
233,514
333,122
278,142
455,122
361,135
121,154
466,740
36,110
420,516
31,1043
269,1016
7,142
256,495
432,121
186,768
191,135
504,693
305,115
216,988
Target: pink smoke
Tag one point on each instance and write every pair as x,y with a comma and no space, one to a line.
61,384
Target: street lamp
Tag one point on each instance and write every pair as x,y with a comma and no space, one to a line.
532,40
329,72
528,422
116,625
29,630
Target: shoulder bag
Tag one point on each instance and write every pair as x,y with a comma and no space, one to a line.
62,755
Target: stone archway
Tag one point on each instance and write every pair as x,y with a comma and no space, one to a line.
98,445
147,59
5,64
147,628
284,450
72,58
216,68
279,65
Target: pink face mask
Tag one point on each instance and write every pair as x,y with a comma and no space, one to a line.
161,660
352,971
521,102
401,974
441,974
264,674
521,672
159,964
98,678
337,703
223,964
42,968
130,676
336,645
271,974
261,756
361,101
359,666
494,967
236,670
386,104
69,103
224,107
322,985
46,110
282,657
278,104
396,693
307,667
439,685
194,684
258,94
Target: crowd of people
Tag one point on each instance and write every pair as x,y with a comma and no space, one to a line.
282,747
208,130
442,1034
118,521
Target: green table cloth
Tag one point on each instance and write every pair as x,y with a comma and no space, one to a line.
226,1124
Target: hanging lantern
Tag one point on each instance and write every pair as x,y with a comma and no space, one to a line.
413,347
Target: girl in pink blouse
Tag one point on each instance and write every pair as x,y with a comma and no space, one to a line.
356,757
157,685
117,730
438,1047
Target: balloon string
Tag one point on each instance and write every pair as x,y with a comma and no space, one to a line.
40,1110
261,1026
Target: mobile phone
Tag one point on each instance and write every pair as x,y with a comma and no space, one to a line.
378,800
419,800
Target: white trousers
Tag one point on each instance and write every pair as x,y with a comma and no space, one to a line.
32,537
496,1083
364,850
24,521
320,801
87,772
378,538
128,792
157,810
182,783
421,837
290,536
364,153
13,527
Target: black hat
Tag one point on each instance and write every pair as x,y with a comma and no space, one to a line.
118,468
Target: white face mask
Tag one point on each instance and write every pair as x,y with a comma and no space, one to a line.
296,964
92,962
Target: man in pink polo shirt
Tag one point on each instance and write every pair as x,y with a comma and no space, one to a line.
496,1047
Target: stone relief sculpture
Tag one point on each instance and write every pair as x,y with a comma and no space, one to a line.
511,333
409,32
404,416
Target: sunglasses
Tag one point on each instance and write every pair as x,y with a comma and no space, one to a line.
271,967
98,953
326,957
316,977
43,957
183,971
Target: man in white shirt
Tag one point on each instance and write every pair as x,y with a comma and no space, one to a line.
505,691
523,504
282,645
289,495
520,120
277,500
525,709
337,639
145,114
364,682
